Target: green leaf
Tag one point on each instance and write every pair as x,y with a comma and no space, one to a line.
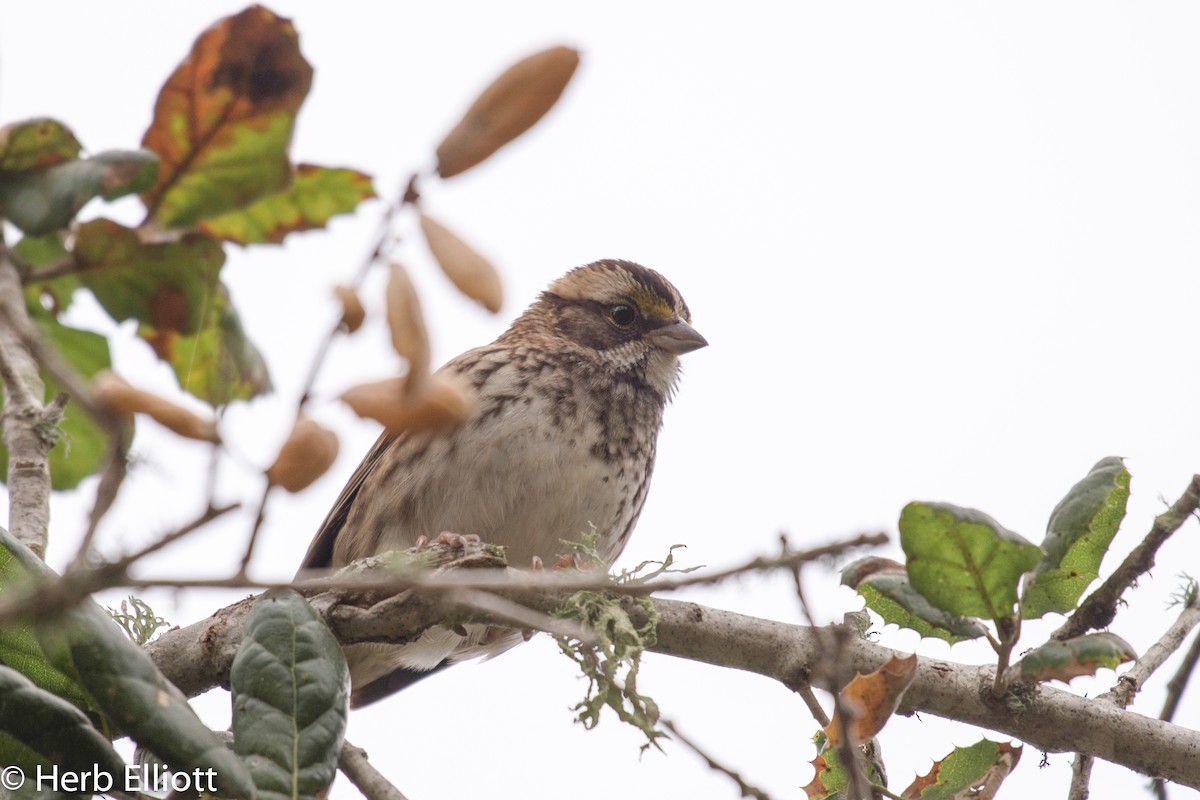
45,200
1080,529
289,683
56,294
36,143
20,648
830,778
124,684
166,284
962,560
884,584
219,363
316,195
53,727
1083,655
223,121
960,775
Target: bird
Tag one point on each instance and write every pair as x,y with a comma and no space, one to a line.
562,438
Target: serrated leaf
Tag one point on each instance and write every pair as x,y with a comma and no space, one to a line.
218,363
223,120
79,451
53,727
1062,661
968,772
872,699
289,683
315,196
962,560
884,584
830,778
36,143
1080,529
125,685
45,200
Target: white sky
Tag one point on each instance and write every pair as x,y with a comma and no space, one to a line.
941,251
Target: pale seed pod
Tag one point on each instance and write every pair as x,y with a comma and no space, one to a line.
308,453
406,324
444,403
470,272
507,108
113,393
353,312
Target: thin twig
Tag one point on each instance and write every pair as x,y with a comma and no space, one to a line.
55,269
79,582
354,765
1099,609
1179,681
502,608
1128,684
746,789
1132,681
259,516
383,237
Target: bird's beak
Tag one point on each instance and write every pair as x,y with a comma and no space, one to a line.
677,338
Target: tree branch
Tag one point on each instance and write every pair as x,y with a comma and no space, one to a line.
368,780
197,658
28,426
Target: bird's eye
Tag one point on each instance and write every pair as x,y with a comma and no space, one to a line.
622,314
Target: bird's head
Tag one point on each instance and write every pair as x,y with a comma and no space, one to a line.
620,315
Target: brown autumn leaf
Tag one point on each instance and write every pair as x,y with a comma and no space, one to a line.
223,121
114,394
353,312
507,108
871,700
309,451
442,404
407,326
470,272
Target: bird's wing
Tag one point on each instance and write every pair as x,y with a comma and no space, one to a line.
320,552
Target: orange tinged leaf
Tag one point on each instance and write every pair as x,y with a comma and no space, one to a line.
871,700
353,312
223,120
442,404
470,272
407,326
510,106
308,453
114,394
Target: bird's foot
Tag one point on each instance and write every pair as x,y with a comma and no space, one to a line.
455,541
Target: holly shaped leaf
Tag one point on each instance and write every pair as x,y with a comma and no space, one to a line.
1080,529
884,584
962,560
967,773
871,700
1062,661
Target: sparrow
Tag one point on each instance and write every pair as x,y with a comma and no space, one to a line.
562,437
